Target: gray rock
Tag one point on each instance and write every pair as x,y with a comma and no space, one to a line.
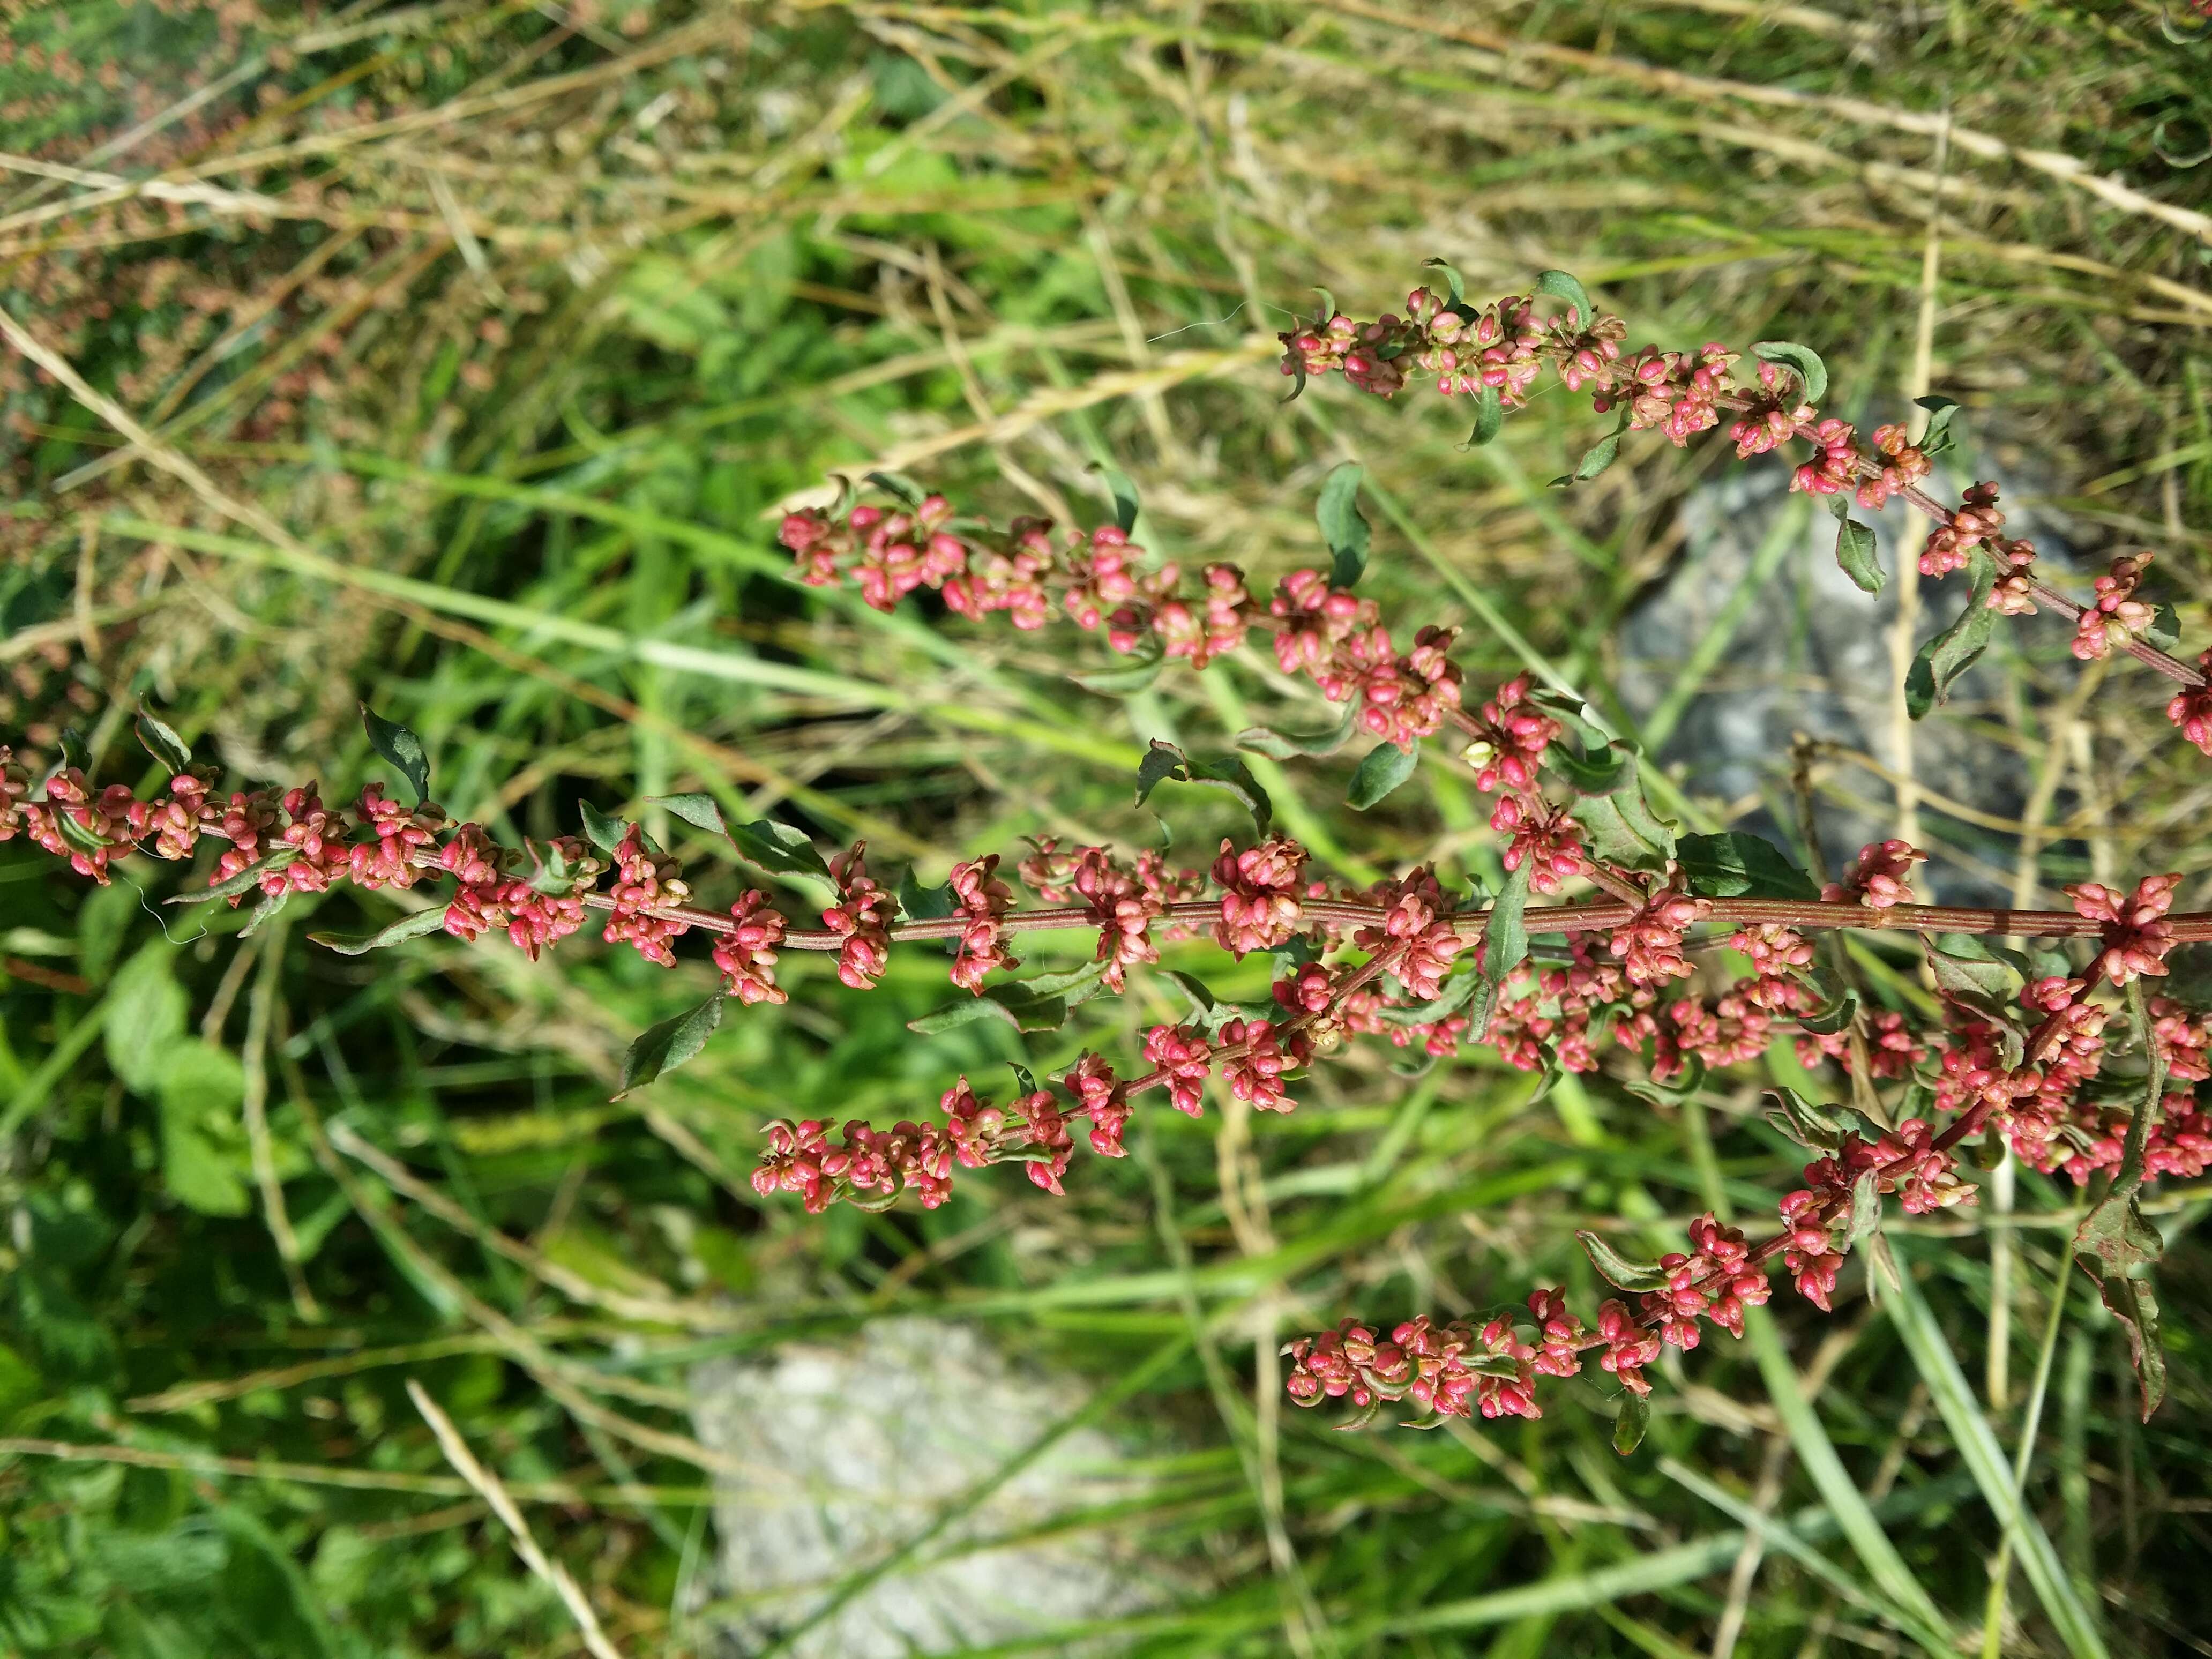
852,1450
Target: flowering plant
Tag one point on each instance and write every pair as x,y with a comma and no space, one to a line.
2026,1053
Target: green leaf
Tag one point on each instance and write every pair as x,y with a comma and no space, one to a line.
1126,505
1938,664
1635,1418
1856,553
1968,976
161,740
1164,763
603,832
1343,527
2164,630
144,1013
665,1047
74,752
1012,1003
1282,746
1561,286
1736,864
265,911
402,748
1671,1094
1489,417
698,811
1639,1277
919,904
1072,979
781,849
243,881
1452,278
1596,460
1504,947
1621,828
1143,667
898,485
1809,1125
1386,767
1866,1205
204,1160
1806,360
414,925
1837,1007
1939,437
1592,770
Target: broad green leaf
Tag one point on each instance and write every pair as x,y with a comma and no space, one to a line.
919,904
1635,1418
402,748
1942,415
1126,505
698,811
1489,417
1736,865
1452,278
1343,527
1621,828
1385,768
662,1048
781,849
1596,460
1561,286
1857,556
1639,1277
1010,1003
604,832
1809,1125
1504,947
1596,770
143,1016
204,1161
161,740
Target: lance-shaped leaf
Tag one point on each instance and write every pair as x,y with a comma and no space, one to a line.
243,881
1282,746
1943,413
414,925
1802,358
1011,1004
1489,417
1856,554
1452,278
1639,1277
1164,764
1126,505
1866,1204
2115,1246
1344,528
1592,769
75,754
1209,1012
1081,980
1635,1418
898,485
1561,286
1457,992
1672,1094
1596,460
698,811
1938,664
603,831
1967,974
2164,628
266,912
1386,767
1736,865
1504,947
161,740
663,1047
402,748
1838,1007
781,849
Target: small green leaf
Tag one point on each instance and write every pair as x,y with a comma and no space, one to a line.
1452,279
1012,1003
603,832
265,911
1164,762
1639,1277
414,925
1802,1121
205,1162
1806,360
1504,947
1671,1094
781,849
1857,556
1939,437
1059,984
1489,417
161,740
1561,286
1343,527
1126,505
402,748
1866,1205
2165,628
1598,769
919,904
1386,767
1938,664
144,1013
1282,746
1736,865
1596,460
2113,1245
898,485
665,1047
698,811
1635,1418
74,752
1837,1007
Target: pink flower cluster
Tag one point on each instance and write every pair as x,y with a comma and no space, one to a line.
862,918
1879,877
2116,616
746,955
2137,939
1447,1371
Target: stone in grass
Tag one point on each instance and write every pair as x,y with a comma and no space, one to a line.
850,1450
1811,653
